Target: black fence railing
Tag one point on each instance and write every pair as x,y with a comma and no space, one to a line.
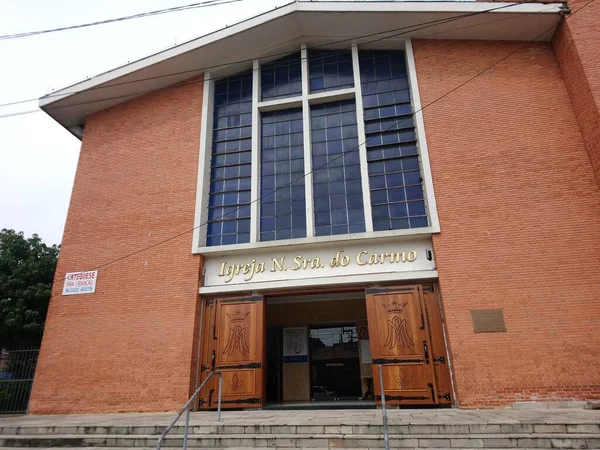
17,367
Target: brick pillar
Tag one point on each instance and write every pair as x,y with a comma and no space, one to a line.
578,53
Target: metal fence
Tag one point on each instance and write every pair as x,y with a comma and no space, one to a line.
17,367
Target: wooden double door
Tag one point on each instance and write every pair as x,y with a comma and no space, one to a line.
407,341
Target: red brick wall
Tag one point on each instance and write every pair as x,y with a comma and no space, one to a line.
578,52
519,209
129,346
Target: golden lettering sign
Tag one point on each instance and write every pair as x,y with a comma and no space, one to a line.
299,262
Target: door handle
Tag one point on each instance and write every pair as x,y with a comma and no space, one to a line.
213,359
426,350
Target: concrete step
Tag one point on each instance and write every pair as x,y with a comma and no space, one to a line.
222,428
295,440
241,448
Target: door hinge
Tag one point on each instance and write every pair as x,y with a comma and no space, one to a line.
446,396
201,402
203,368
240,401
253,365
395,361
400,398
441,359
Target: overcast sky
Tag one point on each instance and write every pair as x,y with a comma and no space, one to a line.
38,157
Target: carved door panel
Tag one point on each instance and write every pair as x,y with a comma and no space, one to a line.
438,345
239,336
400,343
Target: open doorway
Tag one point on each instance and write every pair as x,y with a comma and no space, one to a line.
318,351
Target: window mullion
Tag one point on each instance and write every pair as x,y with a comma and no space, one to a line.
362,147
308,184
255,166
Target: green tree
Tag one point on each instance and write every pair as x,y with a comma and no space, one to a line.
26,272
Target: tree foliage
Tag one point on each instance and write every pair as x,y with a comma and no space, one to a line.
26,272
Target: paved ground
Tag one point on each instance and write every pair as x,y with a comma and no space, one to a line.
322,417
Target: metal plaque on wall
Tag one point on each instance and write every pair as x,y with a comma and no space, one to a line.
488,320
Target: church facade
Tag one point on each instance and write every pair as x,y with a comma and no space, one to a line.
332,202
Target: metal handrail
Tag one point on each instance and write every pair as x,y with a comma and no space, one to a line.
386,437
186,408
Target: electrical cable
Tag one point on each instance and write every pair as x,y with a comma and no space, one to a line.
202,69
181,84
120,19
395,125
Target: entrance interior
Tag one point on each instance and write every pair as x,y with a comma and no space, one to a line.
313,349
325,349
334,363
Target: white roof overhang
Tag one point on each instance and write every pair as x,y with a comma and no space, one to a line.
373,23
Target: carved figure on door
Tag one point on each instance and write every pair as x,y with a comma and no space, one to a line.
397,332
237,339
403,380
236,384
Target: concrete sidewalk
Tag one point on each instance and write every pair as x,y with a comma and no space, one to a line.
321,417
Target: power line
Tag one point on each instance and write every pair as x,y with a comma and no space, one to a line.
240,61
21,113
393,126
120,19
200,69
485,23
410,28
584,6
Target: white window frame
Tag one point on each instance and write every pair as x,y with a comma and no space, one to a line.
305,100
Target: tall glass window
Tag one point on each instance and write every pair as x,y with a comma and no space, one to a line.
230,174
337,187
281,78
397,199
330,69
334,149
283,205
